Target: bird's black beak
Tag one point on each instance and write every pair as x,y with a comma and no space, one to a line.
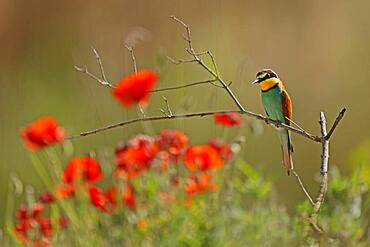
255,81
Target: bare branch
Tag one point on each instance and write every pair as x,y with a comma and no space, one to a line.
200,61
85,71
131,50
213,62
324,174
97,56
181,61
277,124
325,146
336,122
303,187
188,85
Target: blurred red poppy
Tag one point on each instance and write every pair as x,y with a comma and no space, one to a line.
111,195
22,213
43,132
104,201
29,219
173,142
45,226
135,87
202,157
82,167
228,118
47,197
21,230
223,149
65,190
37,209
199,183
136,157
97,198
129,198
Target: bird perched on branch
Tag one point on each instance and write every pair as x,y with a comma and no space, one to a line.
278,107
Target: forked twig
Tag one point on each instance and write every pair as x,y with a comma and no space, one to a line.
200,62
131,50
103,81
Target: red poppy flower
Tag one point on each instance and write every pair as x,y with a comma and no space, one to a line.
22,213
223,149
111,195
47,197
65,190
202,157
173,142
21,230
41,133
228,118
200,183
104,201
82,167
45,226
97,198
129,198
135,158
31,220
205,182
37,209
135,88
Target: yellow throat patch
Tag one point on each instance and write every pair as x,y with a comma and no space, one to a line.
269,83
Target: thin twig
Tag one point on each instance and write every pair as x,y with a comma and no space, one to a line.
277,124
335,124
213,62
97,56
200,62
180,61
167,106
141,110
303,187
187,85
85,71
131,50
296,125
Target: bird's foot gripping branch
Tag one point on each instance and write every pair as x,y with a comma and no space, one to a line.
162,154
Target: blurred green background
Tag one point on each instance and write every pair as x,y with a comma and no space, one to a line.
320,49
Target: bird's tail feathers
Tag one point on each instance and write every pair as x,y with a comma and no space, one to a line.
287,150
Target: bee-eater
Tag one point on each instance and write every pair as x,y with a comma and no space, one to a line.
278,106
